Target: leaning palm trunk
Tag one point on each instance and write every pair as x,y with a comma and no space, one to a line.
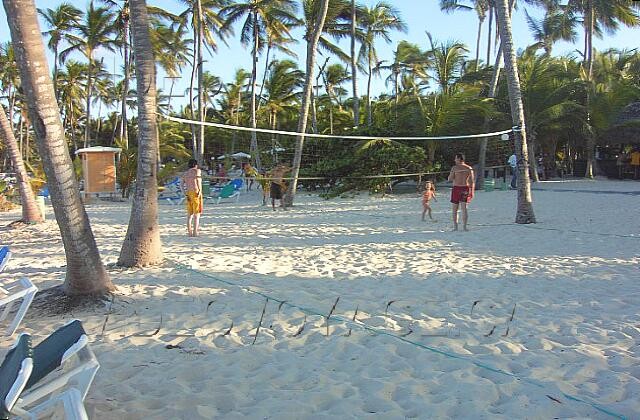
85,272
87,127
591,140
524,212
30,211
142,245
312,47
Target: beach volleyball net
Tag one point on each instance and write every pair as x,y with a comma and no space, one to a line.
353,161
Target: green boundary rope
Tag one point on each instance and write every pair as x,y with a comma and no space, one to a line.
386,333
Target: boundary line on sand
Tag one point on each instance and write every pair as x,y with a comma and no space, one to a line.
383,332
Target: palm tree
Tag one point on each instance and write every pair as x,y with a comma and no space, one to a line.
142,246
96,31
481,7
282,84
354,68
335,75
524,213
72,82
9,76
377,22
203,16
172,49
557,25
61,21
122,26
264,19
318,10
85,272
30,211
447,61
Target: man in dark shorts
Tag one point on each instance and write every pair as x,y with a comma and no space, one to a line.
463,188
277,183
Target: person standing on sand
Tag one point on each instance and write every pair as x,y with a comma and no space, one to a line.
463,188
513,162
428,194
192,185
277,185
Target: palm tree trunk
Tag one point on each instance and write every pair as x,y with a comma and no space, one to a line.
354,69
480,23
489,33
124,130
85,272
532,143
369,112
87,127
493,87
264,75
255,154
55,71
142,246
312,46
524,213
591,139
30,211
192,104
201,106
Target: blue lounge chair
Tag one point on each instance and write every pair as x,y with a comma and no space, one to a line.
228,191
35,380
5,255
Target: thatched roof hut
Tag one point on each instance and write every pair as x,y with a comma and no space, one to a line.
626,129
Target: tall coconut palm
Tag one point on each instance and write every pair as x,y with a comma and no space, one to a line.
335,75
447,61
524,213
354,68
30,211
203,17
72,81
264,18
85,272
122,25
557,25
61,21
142,246
97,30
172,48
282,84
318,10
377,22
481,7
9,76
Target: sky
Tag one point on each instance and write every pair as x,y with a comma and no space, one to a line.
419,15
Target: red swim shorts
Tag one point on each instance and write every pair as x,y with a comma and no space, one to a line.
460,195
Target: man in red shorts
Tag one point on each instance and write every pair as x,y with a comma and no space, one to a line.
463,188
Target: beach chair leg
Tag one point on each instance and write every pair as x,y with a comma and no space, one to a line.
26,301
71,402
6,311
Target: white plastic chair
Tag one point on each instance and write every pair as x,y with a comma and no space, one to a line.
34,382
10,293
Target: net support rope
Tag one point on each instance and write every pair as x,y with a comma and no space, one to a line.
333,136
386,333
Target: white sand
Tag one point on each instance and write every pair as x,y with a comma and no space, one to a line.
573,278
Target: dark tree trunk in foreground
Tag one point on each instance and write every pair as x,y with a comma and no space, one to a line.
85,272
142,246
